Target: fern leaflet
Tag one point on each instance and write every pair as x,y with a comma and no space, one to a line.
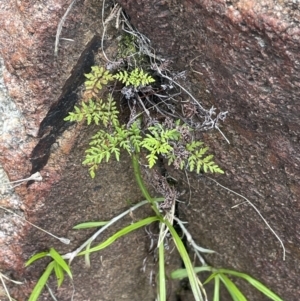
96,78
137,77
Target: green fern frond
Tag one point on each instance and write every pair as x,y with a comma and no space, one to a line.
90,111
96,111
196,160
193,145
168,139
152,158
111,111
171,159
75,116
136,78
159,142
135,136
103,145
140,78
123,77
97,78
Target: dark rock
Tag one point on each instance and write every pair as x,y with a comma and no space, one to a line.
246,54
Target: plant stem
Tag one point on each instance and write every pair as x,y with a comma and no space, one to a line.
140,182
162,277
178,242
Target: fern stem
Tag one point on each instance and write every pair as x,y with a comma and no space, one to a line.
140,182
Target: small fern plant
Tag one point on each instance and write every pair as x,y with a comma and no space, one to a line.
171,140
96,79
136,78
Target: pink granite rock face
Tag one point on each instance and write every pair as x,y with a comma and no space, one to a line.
244,57
32,86
245,54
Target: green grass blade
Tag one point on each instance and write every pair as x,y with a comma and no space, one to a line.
212,276
89,225
59,273
194,281
235,293
121,233
161,273
217,289
182,273
36,257
41,283
258,285
57,258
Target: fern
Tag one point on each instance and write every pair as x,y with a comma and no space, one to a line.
170,139
104,144
111,114
196,160
127,46
75,116
96,111
158,142
136,78
90,111
96,78
135,137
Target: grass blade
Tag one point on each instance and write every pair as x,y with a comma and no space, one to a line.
182,273
88,225
161,273
57,258
194,281
59,273
35,257
217,289
41,283
258,285
235,293
121,233
212,276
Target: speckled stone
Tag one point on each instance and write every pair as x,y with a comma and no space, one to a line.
31,81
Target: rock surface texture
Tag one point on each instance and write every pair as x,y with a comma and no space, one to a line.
242,57
37,89
34,80
246,56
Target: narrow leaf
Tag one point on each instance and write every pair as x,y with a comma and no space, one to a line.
57,257
182,273
121,233
235,293
187,262
41,283
212,276
217,289
59,273
161,272
35,257
89,225
258,285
